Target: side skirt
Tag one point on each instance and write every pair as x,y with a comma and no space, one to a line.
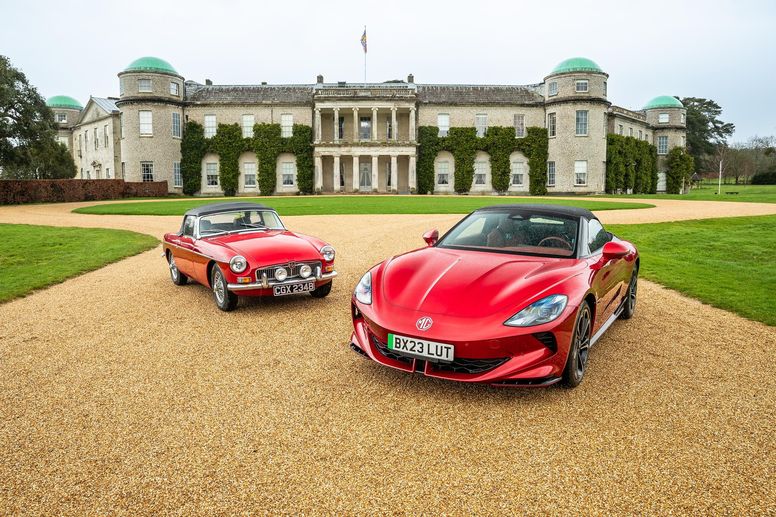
607,324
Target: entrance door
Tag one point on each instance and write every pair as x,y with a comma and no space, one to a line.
365,176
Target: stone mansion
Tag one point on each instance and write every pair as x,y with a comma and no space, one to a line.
365,135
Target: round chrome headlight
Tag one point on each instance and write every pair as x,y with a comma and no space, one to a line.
305,271
328,253
281,274
238,264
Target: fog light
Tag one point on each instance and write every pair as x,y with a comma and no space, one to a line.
281,274
305,271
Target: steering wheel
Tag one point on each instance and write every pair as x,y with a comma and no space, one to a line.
560,240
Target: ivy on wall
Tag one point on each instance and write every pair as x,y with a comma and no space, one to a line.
680,165
229,144
499,143
631,165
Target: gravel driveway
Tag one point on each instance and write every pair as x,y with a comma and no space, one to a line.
123,394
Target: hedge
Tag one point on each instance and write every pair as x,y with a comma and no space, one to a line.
765,178
679,167
14,192
631,165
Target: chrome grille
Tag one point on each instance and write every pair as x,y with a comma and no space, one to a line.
291,267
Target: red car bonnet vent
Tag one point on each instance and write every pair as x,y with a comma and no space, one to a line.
548,340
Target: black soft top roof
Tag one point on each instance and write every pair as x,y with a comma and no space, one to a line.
568,211
214,208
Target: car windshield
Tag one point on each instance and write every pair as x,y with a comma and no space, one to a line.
519,232
239,221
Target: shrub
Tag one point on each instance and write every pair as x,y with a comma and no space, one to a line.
766,177
14,192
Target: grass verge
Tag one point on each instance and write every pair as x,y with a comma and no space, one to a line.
344,205
728,263
708,192
33,257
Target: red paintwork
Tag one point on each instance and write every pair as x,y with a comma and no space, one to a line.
193,257
470,294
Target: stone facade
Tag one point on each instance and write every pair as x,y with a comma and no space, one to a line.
365,135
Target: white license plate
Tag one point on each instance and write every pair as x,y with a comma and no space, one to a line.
415,347
284,290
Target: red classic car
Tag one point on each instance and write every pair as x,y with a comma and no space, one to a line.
513,295
244,248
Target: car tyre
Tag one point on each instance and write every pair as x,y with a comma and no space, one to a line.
177,277
322,291
579,350
225,299
630,297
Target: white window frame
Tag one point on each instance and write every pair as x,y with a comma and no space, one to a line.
662,145
96,140
443,169
550,173
249,169
105,135
684,118
582,125
620,130
580,173
62,117
176,124
443,124
177,177
581,86
210,125
552,89
519,121
175,89
481,169
641,134
630,131
211,171
481,124
287,125
146,172
552,124
288,169
247,129
145,127
517,169
663,118
141,85
107,173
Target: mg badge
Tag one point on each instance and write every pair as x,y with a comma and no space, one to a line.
424,323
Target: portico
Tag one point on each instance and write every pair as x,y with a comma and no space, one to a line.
365,168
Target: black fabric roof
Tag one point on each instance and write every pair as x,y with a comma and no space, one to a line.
213,208
568,211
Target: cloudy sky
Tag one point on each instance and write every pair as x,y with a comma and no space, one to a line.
723,50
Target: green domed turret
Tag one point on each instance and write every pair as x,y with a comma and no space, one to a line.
664,101
151,64
576,64
63,102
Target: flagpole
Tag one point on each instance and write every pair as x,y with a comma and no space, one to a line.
364,59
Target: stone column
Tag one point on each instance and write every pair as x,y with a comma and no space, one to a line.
336,126
394,126
394,173
318,172
355,124
374,124
375,160
412,124
336,174
413,178
318,132
356,172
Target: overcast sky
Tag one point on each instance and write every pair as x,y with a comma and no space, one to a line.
723,50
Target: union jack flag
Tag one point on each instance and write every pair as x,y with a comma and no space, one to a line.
363,40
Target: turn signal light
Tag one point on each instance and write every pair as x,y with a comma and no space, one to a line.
243,280
328,269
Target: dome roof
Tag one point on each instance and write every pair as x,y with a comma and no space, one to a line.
576,64
63,101
150,64
664,101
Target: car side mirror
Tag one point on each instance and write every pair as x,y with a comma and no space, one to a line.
614,250
431,237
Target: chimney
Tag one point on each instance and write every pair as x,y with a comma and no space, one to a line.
319,79
411,79
208,82
264,83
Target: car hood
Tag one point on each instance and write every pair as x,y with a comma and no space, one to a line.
471,284
270,247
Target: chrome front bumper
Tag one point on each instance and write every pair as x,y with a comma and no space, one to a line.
267,285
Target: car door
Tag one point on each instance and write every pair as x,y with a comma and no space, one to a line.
606,281
184,244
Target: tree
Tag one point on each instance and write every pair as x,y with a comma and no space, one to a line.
680,166
705,130
28,145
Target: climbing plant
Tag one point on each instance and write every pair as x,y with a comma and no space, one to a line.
268,145
193,149
228,143
631,165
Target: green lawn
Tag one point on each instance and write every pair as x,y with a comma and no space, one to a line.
708,192
32,257
331,205
728,263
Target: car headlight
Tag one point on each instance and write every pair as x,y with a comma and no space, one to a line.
238,264
328,253
364,289
305,271
543,311
281,274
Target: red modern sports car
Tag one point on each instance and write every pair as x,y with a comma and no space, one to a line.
243,248
513,295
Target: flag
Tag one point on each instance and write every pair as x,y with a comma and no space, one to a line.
363,40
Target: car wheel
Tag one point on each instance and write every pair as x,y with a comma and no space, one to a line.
177,277
225,299
630,300
576,363
322,291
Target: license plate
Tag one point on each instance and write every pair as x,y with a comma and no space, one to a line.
421,348
284,290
